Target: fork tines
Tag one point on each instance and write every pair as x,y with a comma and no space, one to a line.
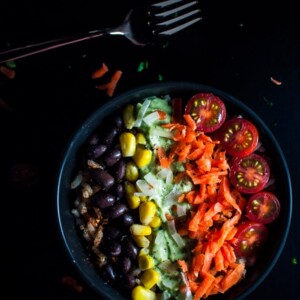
171,16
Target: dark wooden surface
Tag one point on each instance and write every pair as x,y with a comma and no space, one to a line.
237,47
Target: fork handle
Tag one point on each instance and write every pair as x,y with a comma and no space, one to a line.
32,49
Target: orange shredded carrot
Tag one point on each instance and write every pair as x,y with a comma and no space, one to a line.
162,114
7,72
275,81
72,282
100,72
183,265
204,286
231,278
112,84
212,200
163,159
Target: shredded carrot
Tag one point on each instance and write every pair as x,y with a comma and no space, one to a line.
275,81
213,267
7,72
112,84
183,265
164,161
100,72
162,114
72,282
231,278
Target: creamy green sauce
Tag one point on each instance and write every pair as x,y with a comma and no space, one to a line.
164,249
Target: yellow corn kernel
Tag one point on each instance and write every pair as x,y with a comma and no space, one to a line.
147,211
132,200
142,157
128,116
131,171
127,144
140,293
145,262
156,222
149,278
141,241
144,251
138,229
140,139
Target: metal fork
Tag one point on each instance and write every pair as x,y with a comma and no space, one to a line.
142,26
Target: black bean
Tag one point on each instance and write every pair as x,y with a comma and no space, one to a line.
118,121
95,151
118,191
124,264
112,156
93,139
111,232
103,200
117,210
109,137
118,170
129,248
127,219
108,273
102,178
113,248
128,280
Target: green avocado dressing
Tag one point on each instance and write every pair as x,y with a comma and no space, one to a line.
165,249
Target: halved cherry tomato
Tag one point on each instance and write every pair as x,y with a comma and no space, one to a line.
207,110
249,174
249,238
263,207
239,137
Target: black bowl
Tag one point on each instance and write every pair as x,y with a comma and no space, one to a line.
73,241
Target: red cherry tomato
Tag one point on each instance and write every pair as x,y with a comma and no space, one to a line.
239,137
208,111
249,174
249,238
263,207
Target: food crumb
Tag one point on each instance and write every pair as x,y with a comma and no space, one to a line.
100,71
112,84
72,282
275,81
268,102
160,77
7,72
10,64
294,261
143,65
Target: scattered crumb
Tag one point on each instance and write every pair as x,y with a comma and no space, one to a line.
143,65
275,81
7,72
268,102
72,282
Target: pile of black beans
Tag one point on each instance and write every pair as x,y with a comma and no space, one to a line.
121,251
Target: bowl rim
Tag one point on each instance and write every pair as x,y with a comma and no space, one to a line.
86,127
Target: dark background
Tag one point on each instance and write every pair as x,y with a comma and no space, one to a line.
237,47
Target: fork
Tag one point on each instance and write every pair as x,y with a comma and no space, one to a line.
143,25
